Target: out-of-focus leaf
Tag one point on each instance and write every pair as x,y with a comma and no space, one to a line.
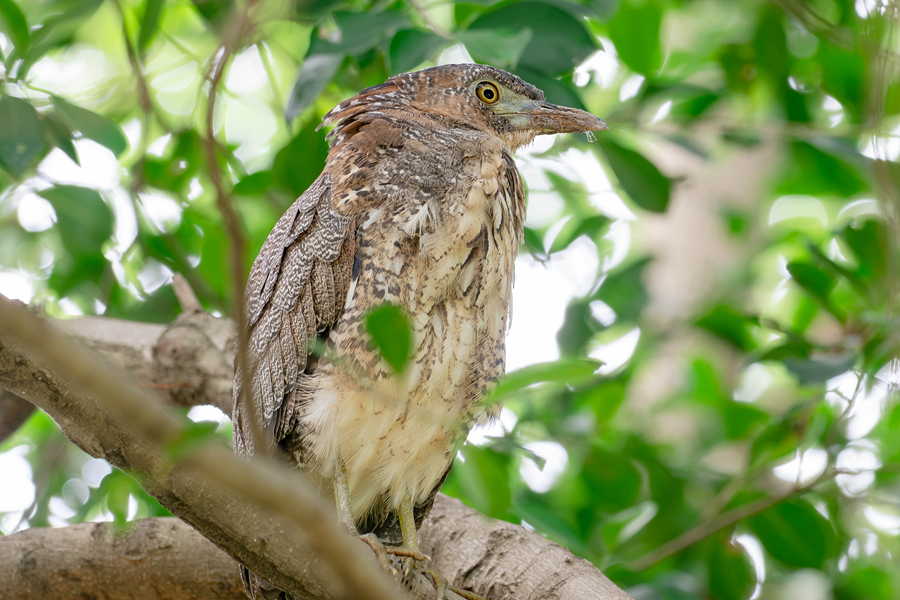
740,419
869,244
776,441
820,369
316,72
814,280
500,47
92,126
559,41
411,47
577,227
22,140
484,480
301,161
149,23
216,12
640,178
730,325
391,334
59,135
360,32
14,24
635,32
843,75
731,574
603,398
815,171
84,220
546,519
623,291
555,90
793,348
569,371
795,533
867,583
193,437
178,167
253,184
579,326
613,480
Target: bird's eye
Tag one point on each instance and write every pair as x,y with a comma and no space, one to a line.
487,92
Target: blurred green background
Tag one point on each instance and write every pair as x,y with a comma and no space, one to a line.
730,249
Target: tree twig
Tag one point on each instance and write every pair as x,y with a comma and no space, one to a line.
708,528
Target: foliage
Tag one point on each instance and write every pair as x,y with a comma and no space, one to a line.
746,446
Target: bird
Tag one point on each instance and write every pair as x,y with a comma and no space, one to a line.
420,206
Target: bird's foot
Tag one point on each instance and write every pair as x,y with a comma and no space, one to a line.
441,586
381,552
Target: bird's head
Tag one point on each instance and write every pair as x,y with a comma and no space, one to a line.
470,96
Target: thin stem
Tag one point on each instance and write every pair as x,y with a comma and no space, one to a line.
704,530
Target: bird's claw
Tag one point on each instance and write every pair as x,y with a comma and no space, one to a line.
381,551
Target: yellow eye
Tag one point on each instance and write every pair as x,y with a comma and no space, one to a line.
487,92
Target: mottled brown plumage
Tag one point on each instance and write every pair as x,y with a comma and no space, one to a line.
419,205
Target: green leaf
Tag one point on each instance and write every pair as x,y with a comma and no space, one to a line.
819,170
193,437
867,583
579,326
315,73
795,533
391,335
360,32
730,325
483,480
84,220
568,371
92,126
623,291
253,184
59,135
640,179
822,368
22,141
814,280
635,33
559,41
731,574
150,23
612,478
216,12
869,244
577,227
15,25
411,47
500,47
301,161
844,74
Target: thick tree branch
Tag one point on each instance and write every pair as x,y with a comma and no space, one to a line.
210,488
495,557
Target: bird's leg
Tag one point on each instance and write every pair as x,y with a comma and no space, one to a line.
411,543
342,499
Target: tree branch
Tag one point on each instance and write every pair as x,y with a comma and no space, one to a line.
489,557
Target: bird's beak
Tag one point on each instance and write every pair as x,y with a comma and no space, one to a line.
545,118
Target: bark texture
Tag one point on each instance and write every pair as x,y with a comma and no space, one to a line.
260,513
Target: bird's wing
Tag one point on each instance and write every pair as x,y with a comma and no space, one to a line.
296,291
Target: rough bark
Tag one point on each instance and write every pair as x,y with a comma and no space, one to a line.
262,514
155,559
13,412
